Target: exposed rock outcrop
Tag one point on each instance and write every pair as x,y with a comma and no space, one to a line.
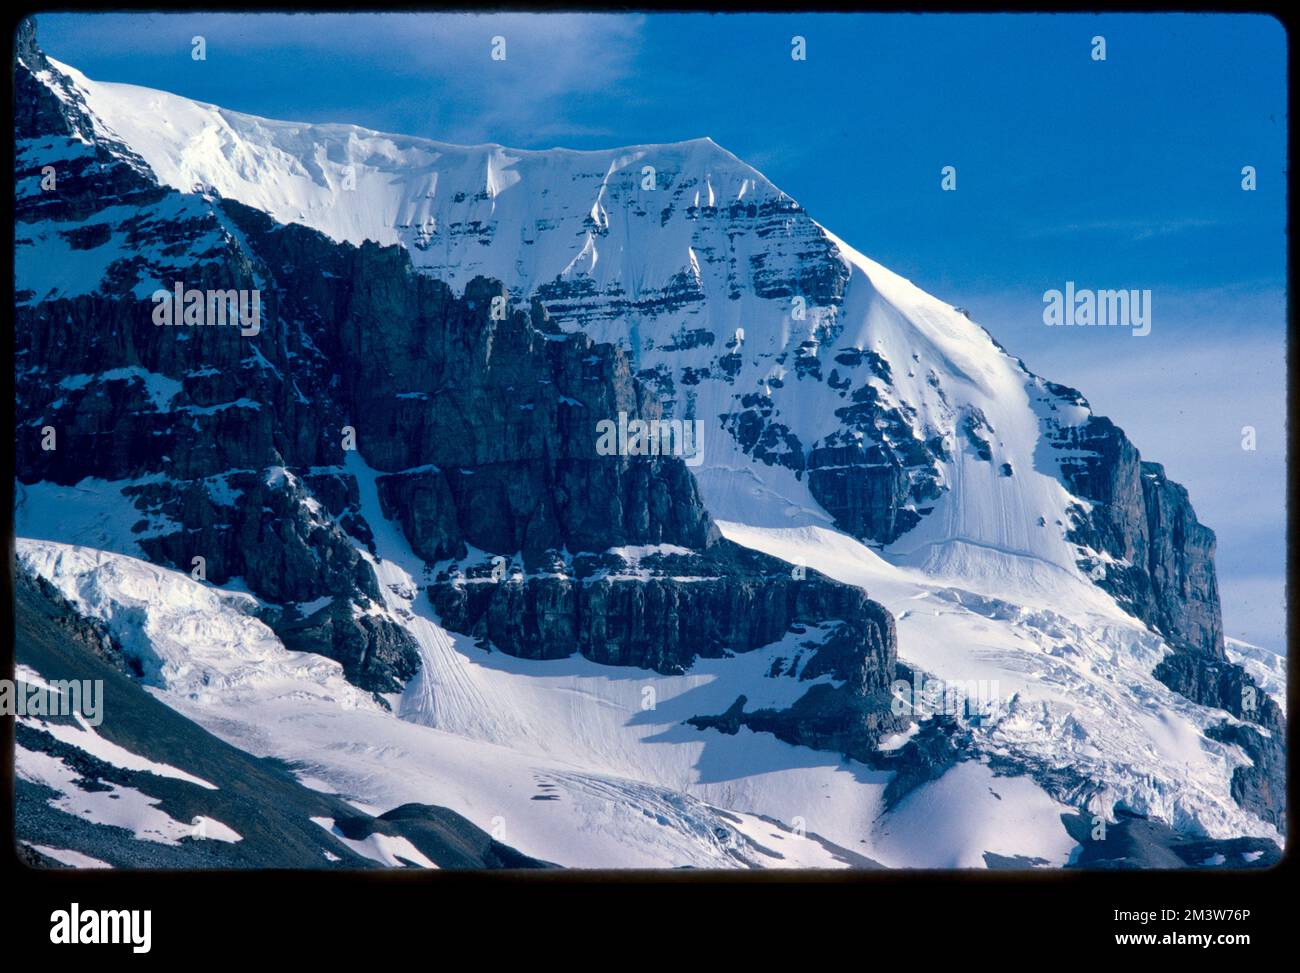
440,834
46,607
1133,841
662,610
1261,786
1140,541
1146,546
377,653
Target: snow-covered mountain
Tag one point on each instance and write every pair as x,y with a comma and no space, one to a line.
855,427
869,404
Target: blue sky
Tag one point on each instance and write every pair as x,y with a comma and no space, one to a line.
1122,173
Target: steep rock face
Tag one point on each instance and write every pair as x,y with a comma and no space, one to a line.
1184,584
483,424
1139,539
374,652
662,610
876,475
265,527
1259,729
194,424
847,715
1134,841
1261,788
1144,543
51,113
45,607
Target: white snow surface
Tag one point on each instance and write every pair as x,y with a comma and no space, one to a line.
73,859
619,785
192,639
592,766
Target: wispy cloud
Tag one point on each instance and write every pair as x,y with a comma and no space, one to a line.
438,67
1135,230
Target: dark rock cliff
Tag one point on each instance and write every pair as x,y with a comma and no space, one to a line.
196,425
483,425
1259,728
1163,557
662,611
875,475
